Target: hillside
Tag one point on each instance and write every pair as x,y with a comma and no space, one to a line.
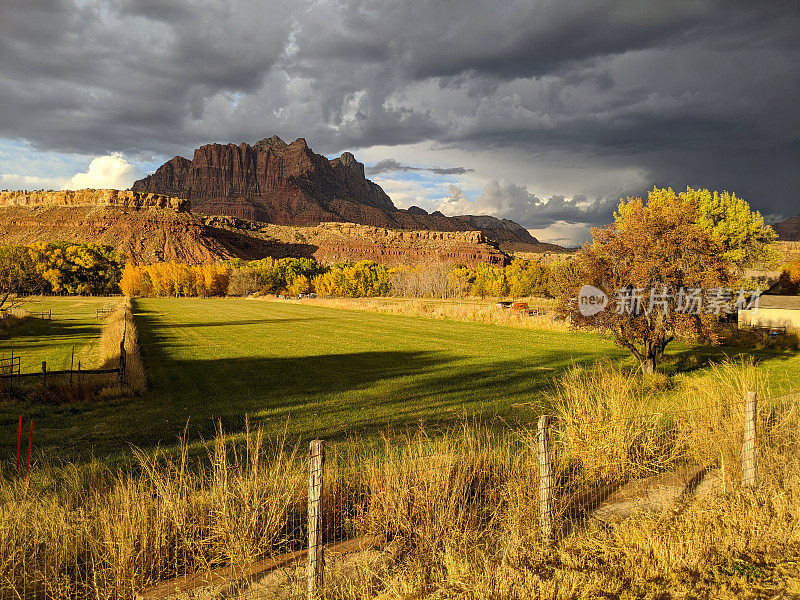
788,230
147,227
338,242
289,184
152,227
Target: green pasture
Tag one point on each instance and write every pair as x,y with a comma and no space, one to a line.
74,324
317,372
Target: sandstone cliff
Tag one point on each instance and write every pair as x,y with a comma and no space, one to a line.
289,184
91,197
145,235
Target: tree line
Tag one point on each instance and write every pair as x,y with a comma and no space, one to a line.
296,276
70,268
59,267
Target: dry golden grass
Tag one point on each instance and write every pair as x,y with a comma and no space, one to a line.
480,541
459,510
10,320
93,533
118,321
471,310
609,425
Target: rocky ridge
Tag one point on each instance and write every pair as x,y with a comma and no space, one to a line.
150,228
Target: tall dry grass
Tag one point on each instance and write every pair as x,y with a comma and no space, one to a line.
609,426
476,311
459,511
10,320
95,533
481,538
613,425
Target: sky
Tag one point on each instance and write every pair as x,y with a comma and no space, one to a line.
544,112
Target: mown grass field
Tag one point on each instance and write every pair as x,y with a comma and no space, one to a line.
313,371
325,372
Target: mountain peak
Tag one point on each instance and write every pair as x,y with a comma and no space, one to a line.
272,142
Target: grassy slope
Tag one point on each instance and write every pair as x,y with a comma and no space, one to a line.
320,372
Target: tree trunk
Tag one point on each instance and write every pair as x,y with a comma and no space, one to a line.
648,365
648,358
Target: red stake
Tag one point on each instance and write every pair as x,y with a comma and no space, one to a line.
19,439
30,443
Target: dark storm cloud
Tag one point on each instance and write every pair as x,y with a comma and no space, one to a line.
389,165
691,93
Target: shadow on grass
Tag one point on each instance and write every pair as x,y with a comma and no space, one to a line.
697,358
31,332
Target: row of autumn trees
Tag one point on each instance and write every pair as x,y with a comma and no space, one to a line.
295,276
69,268
59,267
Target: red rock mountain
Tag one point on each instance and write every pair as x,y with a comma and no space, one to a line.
289,184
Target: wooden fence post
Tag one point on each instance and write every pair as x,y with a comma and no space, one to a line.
44,373
545,481
122,360
750,447
316,556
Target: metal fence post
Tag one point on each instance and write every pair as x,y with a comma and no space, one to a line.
545,481
316,557
749,448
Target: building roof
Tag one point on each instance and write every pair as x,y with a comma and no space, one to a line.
783,302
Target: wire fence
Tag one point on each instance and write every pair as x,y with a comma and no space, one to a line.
14,381
569,473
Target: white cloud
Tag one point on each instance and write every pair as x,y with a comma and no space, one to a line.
11,181
111,171
413,192
570,235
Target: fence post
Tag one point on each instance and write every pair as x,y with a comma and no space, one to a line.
122,360
545,481
750,448
19,439
316,557
44,374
